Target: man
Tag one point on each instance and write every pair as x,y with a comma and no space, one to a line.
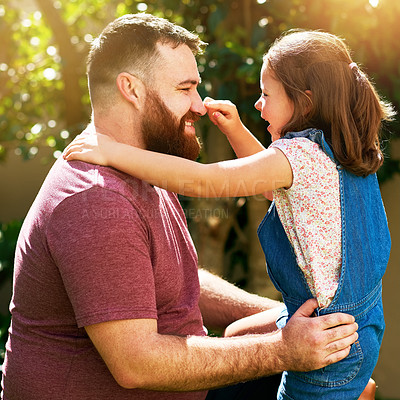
107,302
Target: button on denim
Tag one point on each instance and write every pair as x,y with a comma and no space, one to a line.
365,254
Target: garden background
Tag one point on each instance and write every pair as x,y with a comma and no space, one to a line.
44,103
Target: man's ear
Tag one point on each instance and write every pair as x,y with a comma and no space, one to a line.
131,88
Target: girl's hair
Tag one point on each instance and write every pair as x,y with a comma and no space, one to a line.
343,102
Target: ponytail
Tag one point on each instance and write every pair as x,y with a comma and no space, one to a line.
355,135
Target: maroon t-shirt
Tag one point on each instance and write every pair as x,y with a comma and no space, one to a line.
97,245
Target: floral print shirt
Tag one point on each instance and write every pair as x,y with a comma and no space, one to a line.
310,214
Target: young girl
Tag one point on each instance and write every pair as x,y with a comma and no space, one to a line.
326,234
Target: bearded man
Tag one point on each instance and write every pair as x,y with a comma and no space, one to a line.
108,300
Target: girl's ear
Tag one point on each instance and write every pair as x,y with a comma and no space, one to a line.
131,88
310,102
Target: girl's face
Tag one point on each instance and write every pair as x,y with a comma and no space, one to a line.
273,104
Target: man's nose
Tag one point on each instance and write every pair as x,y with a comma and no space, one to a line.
197,105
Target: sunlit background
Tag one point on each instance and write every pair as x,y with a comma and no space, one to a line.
33,55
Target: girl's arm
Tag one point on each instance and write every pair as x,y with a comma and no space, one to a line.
224,115
261,172
262,322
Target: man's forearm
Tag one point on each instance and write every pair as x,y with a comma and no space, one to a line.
200,363
139,357
222,303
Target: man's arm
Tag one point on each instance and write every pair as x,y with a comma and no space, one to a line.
139,357
222,303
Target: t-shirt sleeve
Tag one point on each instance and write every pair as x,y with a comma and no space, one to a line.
303,156
101,247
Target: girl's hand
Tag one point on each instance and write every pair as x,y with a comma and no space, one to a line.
92,148
224,114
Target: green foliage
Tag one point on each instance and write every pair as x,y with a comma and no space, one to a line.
35,69
8,239
44,101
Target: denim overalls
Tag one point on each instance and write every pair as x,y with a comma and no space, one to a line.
365,254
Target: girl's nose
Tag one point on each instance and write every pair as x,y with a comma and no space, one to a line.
257,104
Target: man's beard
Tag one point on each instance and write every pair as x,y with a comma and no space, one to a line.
163,133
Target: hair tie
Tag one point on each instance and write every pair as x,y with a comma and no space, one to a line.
352,65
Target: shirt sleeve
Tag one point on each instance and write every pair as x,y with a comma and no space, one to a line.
101,247
304,158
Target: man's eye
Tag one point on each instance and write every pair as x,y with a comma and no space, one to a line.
185,89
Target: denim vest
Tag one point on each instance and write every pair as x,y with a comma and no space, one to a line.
365,253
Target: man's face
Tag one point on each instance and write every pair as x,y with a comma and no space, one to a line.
164,133
173,104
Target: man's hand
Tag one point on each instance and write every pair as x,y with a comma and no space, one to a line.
315,342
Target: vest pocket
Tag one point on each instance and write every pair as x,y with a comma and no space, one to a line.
335,374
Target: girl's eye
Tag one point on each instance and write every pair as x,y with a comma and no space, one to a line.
264,95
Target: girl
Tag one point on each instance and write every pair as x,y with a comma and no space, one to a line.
326,234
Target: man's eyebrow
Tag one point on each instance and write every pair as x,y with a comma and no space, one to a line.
190,82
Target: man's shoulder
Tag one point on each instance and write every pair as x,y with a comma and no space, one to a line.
77,179
108,178
74,177
77,185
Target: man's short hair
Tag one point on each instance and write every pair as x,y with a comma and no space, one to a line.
129,44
